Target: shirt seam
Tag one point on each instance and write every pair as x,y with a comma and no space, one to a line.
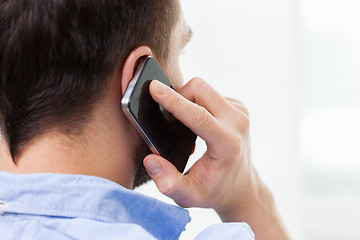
58,213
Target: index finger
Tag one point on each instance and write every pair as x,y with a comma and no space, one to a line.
195,117
201,93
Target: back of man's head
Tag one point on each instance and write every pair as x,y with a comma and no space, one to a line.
57,56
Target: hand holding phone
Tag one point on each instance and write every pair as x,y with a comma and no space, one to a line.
223,178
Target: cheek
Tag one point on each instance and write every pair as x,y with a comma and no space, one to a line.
177,80
174,74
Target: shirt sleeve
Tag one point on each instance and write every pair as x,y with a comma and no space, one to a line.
239,231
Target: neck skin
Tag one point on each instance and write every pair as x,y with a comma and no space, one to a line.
106,149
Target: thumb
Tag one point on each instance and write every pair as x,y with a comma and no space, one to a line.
168,179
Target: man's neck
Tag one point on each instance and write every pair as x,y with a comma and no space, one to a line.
104,151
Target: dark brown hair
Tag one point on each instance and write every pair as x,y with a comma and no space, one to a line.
56,57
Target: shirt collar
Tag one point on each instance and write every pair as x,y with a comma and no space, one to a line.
65,195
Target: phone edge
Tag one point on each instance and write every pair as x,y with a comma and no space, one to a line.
125,101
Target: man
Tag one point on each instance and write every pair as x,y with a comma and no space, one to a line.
68,154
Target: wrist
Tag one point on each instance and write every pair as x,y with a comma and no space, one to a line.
257,208
254,196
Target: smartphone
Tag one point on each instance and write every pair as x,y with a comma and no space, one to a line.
162,132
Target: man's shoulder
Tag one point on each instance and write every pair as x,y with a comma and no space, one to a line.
17,226
82,206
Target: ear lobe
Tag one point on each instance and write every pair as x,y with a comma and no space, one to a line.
130,65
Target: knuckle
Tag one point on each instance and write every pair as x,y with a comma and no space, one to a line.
241,106
201,116
245,110
176,100
245,123
197,83
173,100
240,102
242,121
235,143
168,188
236,138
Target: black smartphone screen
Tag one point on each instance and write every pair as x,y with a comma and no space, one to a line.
171,139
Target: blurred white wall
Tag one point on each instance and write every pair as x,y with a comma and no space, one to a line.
329,126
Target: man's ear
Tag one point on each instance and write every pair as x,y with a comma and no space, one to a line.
130,65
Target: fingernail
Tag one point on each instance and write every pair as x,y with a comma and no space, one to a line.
159,87
153,167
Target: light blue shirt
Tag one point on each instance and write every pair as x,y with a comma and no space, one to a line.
61,206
